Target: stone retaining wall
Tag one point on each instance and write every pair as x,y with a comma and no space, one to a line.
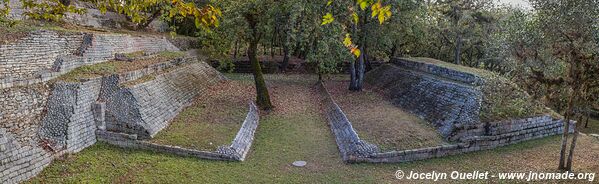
19,162
74,113
349,143
446,98
44,54
146,108
22,109
447,103
237,151
481,137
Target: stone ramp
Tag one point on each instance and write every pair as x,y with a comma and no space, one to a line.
146,108
445,102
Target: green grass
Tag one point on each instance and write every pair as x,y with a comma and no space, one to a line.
171,54
282,138
135,54
114,67
90,71
193,129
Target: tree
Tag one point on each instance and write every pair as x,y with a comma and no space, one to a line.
248,20
51,10
463,15
567,27
143,12
4,11
359,12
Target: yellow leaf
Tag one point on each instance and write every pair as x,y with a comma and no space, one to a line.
328,18
330,2
363,4
347,40
355,18
356,52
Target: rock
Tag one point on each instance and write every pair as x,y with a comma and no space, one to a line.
299,163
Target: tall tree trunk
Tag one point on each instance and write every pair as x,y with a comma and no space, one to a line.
586,122
573,146
262,96
287,42
272,41
393,50
562,152
360,73
458,49
353,83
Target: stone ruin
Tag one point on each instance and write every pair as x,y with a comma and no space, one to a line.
43,117
449,99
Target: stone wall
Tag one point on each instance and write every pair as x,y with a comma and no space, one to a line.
242,143
469,144
39,125
349,143
480,136
44,54
146,108
22,109
446,98
237,151
31,55
19,162
69,122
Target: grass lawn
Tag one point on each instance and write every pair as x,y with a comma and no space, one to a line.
212,120
378,121
297,130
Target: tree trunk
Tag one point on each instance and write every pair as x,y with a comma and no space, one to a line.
353,83
573,146
458,49
393,50
562,152
262,96
586,122
360,73
287,42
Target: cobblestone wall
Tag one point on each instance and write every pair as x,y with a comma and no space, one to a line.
21,110
70,119
446,98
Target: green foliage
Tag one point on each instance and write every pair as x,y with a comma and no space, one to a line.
50,10
329,51
4,10
143,12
